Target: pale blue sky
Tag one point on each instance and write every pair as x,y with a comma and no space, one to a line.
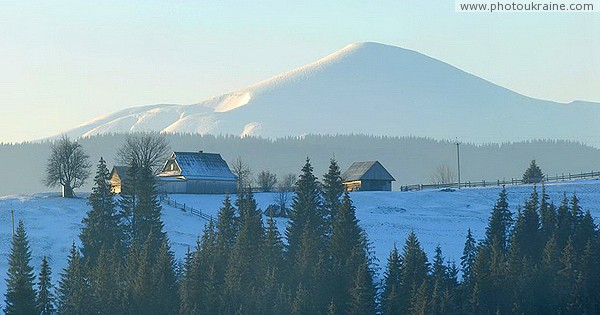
64,62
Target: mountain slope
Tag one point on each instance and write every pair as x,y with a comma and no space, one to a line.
367,88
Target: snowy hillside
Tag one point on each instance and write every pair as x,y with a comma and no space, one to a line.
367,88
437,218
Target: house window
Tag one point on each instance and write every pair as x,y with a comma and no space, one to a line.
172,166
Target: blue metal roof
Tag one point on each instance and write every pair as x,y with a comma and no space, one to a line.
198,165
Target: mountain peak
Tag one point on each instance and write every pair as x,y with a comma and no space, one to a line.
368,88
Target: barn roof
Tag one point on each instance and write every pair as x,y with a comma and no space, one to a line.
370,170
199,165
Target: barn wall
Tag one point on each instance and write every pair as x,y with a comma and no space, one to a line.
211,187
376,185
172,187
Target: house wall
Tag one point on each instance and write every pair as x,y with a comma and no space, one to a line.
115,183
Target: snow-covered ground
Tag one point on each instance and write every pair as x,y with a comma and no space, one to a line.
437,217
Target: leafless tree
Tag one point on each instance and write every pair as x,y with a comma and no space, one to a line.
443,174
285,189
266,181
144,150
243,173
68,166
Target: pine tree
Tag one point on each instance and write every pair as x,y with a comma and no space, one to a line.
390,300
73,290
20,294
101,225
45,297
533,174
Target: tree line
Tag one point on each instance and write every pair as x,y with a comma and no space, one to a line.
543,259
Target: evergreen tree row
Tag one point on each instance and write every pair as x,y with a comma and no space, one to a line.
543,259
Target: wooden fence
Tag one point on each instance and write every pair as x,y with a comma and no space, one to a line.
185,208
512,181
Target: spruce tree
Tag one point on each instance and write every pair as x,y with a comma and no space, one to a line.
362,292
45,297
332,189
244,276
101,225
105,282
306,210
73,291
527,230
390,299
533,174
413,270
20,294
468,258
500,221
306,253
547,216
349,252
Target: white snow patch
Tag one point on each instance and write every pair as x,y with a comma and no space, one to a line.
233,101
251,129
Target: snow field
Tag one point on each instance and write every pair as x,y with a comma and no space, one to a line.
437,217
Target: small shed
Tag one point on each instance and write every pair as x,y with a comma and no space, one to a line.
196,173
367,176
117,176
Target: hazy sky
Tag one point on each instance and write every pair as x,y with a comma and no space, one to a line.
64,62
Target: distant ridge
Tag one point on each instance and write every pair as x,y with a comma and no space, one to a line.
367,88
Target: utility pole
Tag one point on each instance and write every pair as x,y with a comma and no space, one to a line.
458,159
12,215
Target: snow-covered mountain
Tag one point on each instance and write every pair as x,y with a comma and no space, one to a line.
367,88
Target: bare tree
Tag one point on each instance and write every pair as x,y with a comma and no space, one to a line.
443,175
266,181
243,173
68,166
144,150
285,189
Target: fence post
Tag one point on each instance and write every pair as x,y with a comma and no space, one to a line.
484,183
569,176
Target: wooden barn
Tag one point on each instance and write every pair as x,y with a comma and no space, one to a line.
367,176
117,176
196,173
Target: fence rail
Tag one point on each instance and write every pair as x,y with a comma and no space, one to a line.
513,181
185,208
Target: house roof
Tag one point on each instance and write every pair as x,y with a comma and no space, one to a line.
198,165
370,170
121,172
